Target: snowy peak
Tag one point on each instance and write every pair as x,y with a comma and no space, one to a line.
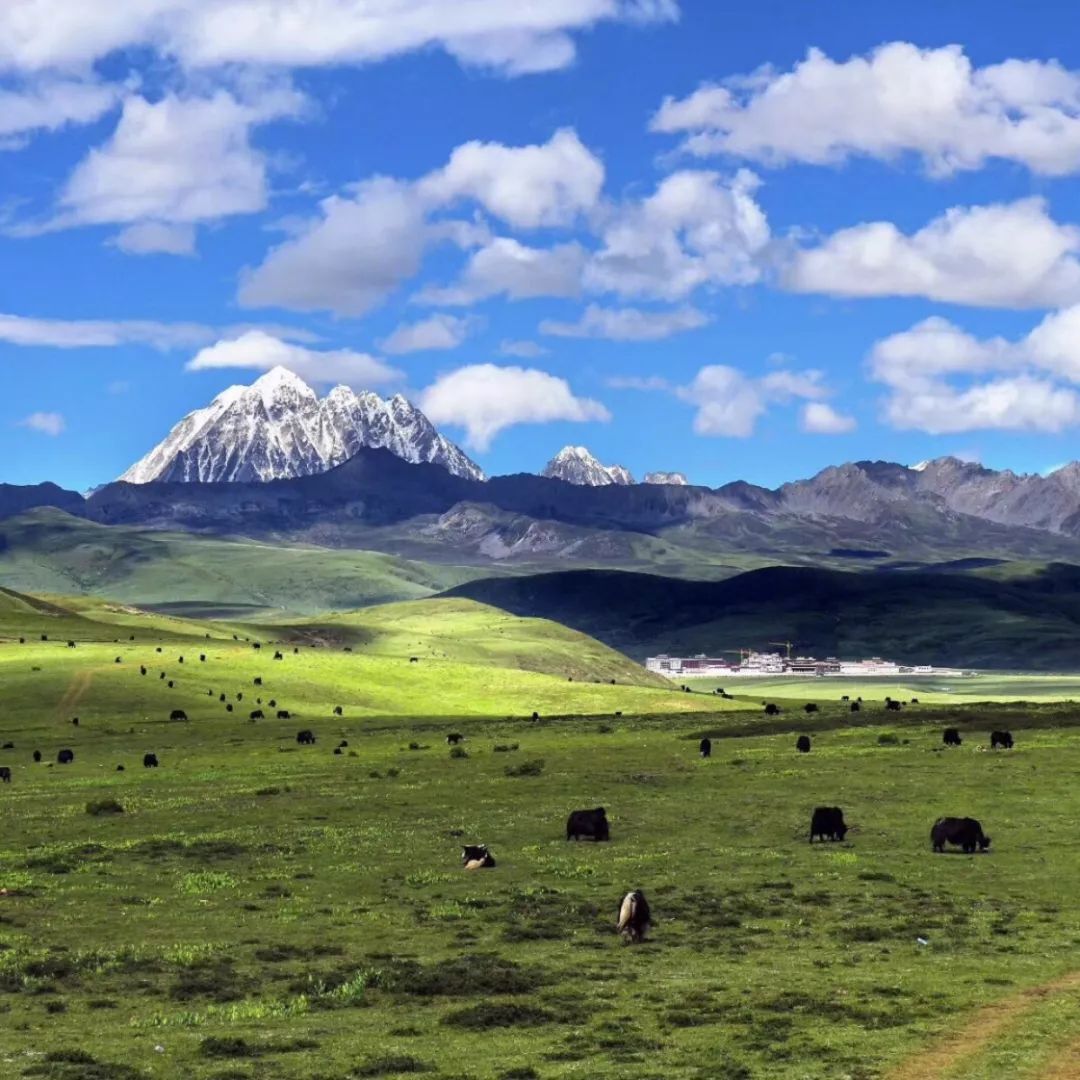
677,479
279,428
576,465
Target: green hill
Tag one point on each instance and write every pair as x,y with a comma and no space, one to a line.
1029,620
48,551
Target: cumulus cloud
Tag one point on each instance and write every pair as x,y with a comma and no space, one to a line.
728,401
93,333
156,238
436,332
48,103
507,267
820,418
174,162
698,228
358,250
941,379
1003,255
46,423
510,38
627,324
485,399
525,186
899,99
260,351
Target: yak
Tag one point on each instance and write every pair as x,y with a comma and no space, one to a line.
827,823
1003,739
590,824
964,833
477,857
802,744
705,747
634,917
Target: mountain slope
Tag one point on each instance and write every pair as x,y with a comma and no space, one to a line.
279,428
47,551
920,618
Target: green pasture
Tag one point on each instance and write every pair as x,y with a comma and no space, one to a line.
260,909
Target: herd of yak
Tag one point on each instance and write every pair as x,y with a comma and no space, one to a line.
634,917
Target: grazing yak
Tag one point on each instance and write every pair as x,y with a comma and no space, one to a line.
893,705
228,708
454,738
75,721
65,757
772,710
477,857
278,656
71,645
964,833
827,823
119,768
802,744
588,824
37,755
284,714
149,761
951,737
256,714
634,917
306,737
142,669
178,714
855,706
1001,739
809,707
337,710
705,747
202,658
257,681
5,774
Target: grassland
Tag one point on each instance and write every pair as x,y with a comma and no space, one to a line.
48,551
265,910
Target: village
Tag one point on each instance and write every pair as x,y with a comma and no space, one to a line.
753,664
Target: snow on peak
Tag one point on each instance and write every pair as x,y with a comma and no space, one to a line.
920,467
676,479
576,465
279,428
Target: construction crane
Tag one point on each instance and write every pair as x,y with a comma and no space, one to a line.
789,645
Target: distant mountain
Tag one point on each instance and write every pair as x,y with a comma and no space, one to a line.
676,478
278,428
17,499
576,465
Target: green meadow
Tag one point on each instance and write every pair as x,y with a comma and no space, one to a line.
254,908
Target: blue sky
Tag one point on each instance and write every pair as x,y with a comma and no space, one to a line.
665,230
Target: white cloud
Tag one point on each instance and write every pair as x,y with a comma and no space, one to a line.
82,334
899,99
526,186
104,334
260,351
819,418
524,350
49,103
696,229
505,266
177,161
1003,255
627,324
638,382
511,38
941,379
156,238
486,399
350,258
436,332
47,423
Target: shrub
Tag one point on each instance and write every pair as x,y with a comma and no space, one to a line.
392,1065
97,807
458,752
888,738
526,768
491,1014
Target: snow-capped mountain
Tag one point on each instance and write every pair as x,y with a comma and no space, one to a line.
279,428
576,465
676,478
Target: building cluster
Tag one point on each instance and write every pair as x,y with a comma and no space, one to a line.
760,664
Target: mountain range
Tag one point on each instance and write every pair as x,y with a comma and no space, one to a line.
278,428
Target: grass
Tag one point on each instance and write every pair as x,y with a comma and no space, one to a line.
267,909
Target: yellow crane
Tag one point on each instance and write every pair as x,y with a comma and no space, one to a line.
789,645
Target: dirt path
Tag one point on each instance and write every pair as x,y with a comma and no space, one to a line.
982,1028
1065,1066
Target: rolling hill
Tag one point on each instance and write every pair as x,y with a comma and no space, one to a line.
1029,621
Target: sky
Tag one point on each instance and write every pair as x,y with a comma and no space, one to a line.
737,241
